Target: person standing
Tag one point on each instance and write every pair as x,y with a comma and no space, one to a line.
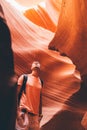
31,102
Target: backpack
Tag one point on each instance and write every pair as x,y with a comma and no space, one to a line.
23,87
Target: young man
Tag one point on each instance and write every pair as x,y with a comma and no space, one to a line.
31,102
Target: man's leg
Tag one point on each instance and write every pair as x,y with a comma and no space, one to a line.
33,122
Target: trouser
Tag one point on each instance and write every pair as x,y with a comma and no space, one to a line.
27,121
34,123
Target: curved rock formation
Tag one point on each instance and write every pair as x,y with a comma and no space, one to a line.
71,35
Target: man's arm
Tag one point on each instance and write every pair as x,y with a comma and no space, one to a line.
19,84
